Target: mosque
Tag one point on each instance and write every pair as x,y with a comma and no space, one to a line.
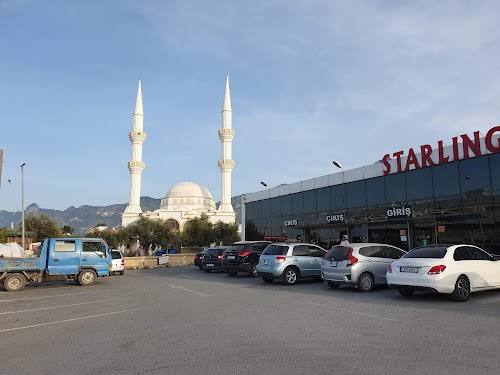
185,200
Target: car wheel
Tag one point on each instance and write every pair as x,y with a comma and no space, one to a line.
199,267
290,276
14,282
253,270
267,279
406,292
122,273
462,289
87,277
231,273
365,282
208,271
333,285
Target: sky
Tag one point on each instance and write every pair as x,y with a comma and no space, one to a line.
311,81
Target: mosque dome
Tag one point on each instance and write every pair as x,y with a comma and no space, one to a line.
188,196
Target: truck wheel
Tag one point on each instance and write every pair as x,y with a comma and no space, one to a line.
14,282
87,277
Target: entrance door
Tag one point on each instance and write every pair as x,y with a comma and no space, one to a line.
423,234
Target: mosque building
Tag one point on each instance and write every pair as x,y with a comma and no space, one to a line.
185,200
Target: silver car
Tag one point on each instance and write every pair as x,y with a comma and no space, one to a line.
361,264
290,262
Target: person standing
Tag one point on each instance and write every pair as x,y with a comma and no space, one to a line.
345,240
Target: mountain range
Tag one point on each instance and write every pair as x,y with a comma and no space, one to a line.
81,218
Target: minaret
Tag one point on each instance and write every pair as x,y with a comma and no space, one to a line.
226,164
136,166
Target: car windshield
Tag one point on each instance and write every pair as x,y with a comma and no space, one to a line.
338,253
116,255
214,251
433,252
275,250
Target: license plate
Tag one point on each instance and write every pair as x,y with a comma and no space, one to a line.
409,269
231,257
266,261
334,263
210,265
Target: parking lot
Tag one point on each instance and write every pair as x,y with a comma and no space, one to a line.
180,320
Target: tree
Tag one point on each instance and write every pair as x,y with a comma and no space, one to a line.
67,229
109,236
43,226
2,235
225,233
149,232
198,231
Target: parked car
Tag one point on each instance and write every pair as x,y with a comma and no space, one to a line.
290,262
118,262
361,264
212,260
243,256
198,258
457,270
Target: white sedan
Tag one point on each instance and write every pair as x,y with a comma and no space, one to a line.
458,270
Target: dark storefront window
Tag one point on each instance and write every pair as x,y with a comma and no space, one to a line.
338,197
495,171
375,191
257,210
249,208
286,205
475,175
266,208
310,201
297,203
356,194
276,207
395,188
419,184
446,180
324,201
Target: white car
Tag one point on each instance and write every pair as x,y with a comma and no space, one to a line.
458,270
118,262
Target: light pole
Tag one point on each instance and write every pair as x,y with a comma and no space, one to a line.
22,204
338,165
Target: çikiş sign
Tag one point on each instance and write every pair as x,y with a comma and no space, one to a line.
291,223
335,218
429,157
398,212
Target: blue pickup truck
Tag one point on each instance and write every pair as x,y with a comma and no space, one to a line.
58,259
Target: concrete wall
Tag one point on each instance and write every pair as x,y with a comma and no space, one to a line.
132,263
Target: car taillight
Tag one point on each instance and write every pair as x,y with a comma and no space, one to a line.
220,256
351,259
280,259
123,262
196,257
389,269
244,254
436,270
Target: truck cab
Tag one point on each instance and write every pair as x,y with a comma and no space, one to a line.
58,259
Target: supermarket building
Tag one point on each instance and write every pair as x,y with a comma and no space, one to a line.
440,194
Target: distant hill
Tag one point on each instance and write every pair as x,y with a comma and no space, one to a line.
81,218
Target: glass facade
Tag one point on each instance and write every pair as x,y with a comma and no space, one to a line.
457,202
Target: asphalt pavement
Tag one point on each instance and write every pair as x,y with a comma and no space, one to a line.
180,320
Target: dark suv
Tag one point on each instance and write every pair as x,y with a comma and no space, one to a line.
243,256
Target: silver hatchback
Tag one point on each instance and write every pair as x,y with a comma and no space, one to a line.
290,262
361,264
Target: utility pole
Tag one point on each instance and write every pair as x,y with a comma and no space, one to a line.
22,204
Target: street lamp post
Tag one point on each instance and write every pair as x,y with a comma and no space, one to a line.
22,204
